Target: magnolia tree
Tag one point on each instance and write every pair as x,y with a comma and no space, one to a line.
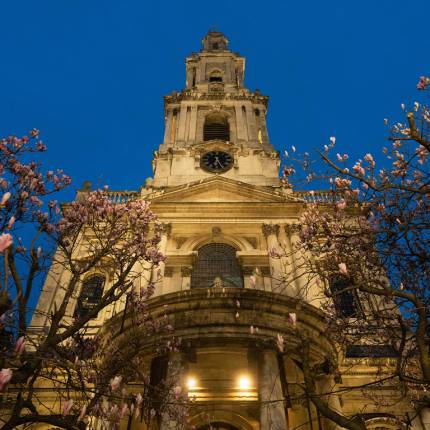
368,246
87,376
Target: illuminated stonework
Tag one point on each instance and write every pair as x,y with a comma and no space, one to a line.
230,308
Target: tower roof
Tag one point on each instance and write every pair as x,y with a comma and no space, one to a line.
215,41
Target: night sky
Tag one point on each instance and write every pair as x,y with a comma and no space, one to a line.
91,74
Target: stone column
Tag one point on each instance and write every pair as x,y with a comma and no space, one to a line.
326,386
181,128
158,271
270,231
299,286
193,124
186,277
272,413
425,418
287,267
252,132
174,378
239,123
168,127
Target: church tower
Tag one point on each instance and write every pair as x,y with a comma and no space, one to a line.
228,291
215,125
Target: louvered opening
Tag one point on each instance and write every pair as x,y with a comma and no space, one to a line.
216,127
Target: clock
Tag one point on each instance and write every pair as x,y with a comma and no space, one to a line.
216,161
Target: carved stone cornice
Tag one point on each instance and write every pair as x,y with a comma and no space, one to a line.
269,229
197,95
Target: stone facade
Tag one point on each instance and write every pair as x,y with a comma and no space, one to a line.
230,333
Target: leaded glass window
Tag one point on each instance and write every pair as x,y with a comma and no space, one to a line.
345,299
216,261
90,296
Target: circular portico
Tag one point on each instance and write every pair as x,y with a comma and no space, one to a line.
233,367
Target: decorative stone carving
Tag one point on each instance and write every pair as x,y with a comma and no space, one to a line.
216,231
180,241
291,228
186,271
269,229
265,271
166,228
168,272
248,270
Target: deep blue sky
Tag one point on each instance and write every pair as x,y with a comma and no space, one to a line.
91,74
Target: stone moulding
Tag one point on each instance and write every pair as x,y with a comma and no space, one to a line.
212,316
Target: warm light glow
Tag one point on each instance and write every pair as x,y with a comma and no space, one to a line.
244,383
191,382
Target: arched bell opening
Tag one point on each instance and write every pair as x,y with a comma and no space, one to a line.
216,127
216,265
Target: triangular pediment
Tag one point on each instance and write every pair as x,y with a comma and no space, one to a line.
219,189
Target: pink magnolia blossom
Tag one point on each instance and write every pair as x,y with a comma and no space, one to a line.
280,342
11,222
123,410
274,253
67,407
332,140
342,268
423,83
252,281
115,382
237,315
82,413
341,205
369,158
5,198
292,318
20,345
177,391
5,377
358,169
5,241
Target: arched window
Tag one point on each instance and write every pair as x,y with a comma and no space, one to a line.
215,76
216,262
90,296
216,127
345,299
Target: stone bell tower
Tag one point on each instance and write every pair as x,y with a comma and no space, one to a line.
215,125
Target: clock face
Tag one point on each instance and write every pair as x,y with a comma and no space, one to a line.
216,161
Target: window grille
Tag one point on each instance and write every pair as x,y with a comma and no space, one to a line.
216,127
345,300
90,296
216,260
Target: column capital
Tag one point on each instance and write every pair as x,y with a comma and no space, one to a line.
186,271
269,229
165,228
291,228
